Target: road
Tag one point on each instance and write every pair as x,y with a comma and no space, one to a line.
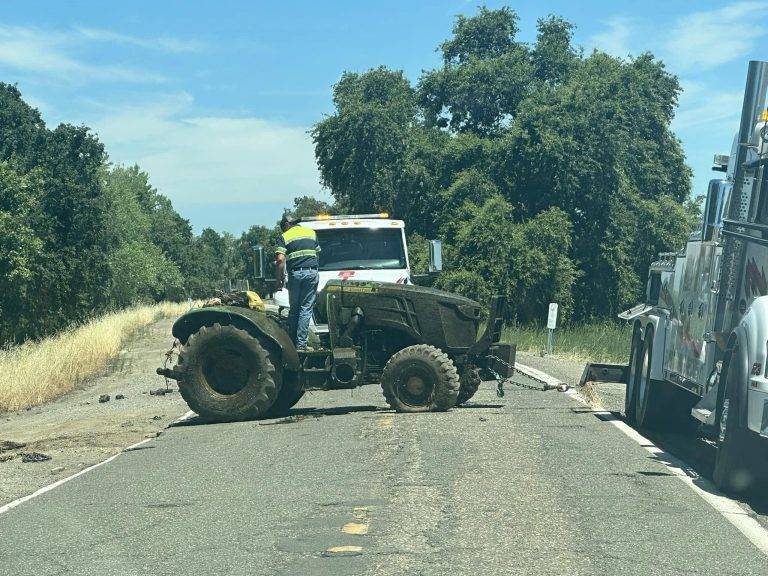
533,483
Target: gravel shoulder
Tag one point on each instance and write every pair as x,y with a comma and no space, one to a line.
77,431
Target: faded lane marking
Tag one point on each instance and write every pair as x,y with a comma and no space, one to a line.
362,516
727,508
343,551
361,513
385,422
355,528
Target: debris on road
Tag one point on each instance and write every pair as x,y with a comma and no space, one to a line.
57,470
103,398
160,392
119,397
6,445
30,457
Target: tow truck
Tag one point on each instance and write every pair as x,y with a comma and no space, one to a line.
699,342
364,247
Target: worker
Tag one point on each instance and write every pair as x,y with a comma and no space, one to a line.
297,251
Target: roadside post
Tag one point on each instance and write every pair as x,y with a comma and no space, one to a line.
551,325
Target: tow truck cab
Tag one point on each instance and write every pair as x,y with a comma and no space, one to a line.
363,247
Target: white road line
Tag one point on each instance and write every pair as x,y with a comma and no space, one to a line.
729,509
49,487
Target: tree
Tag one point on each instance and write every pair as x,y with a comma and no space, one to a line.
20,247
506,145
363,147
486,73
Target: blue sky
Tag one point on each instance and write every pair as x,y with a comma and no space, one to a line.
214,99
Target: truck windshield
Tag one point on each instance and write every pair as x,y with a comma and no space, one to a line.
361,249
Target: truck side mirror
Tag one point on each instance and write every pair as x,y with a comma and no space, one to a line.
258,262
435,255
713,210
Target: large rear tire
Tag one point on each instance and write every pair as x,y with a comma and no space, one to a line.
420,378
649,403
635,356
226,374
290,393
469,383
737,468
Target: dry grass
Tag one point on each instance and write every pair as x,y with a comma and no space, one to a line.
595,342
36,372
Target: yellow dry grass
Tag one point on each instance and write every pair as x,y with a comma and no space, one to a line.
36,372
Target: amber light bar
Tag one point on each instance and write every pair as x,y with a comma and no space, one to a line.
380,216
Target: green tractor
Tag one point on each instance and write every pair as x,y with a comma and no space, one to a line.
421,344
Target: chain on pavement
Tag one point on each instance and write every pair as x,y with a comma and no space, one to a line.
500,381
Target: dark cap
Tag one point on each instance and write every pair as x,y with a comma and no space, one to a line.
287,221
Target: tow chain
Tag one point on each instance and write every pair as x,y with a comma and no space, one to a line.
500,380
173,351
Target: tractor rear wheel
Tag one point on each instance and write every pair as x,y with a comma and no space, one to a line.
420,378
226,374
469,384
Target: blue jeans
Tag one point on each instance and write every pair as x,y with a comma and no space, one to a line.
302,290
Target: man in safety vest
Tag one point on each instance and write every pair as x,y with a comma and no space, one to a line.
297,250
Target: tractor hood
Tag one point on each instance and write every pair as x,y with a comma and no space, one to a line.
425,315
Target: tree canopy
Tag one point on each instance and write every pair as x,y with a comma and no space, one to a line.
551,175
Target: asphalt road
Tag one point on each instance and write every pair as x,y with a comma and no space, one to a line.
533,483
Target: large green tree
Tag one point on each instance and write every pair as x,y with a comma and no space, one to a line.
573,142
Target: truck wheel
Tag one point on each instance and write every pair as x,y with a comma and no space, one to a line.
648,393
469,384
734,470
420,378
635,356
226,374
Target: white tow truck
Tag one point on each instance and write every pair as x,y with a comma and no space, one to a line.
700,340
362,247
358,247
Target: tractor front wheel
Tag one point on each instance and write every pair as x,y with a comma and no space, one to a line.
420,378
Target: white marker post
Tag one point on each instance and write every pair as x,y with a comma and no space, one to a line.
551,325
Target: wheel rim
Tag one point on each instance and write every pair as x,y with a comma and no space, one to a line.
415,386
227,371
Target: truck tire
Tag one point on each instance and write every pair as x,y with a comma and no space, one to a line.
468,384
736,468
635,356
420,378
226,374
648,394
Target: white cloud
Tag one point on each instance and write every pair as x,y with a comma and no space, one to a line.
163,43
701,105
197,159
614,40
703,40
51,55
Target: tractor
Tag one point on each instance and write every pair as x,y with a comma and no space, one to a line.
420,344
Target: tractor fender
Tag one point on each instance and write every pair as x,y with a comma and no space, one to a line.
256,323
